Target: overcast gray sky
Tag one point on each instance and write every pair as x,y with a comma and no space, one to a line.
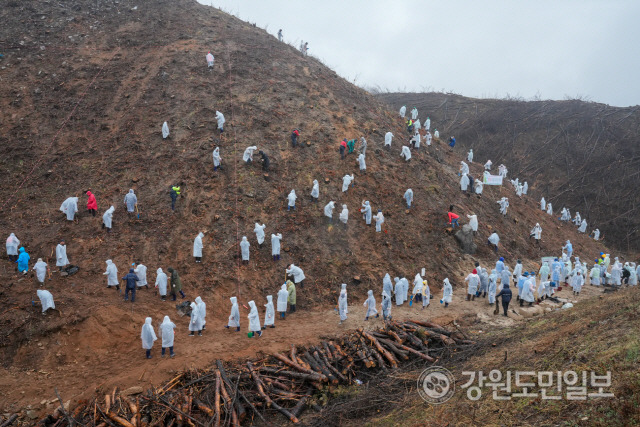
550,49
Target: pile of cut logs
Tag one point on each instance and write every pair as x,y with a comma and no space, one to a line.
235,394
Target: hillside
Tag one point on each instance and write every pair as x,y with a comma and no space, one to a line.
582,155
87,88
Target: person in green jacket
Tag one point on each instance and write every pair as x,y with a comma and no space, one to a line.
291,288
176,284
351,144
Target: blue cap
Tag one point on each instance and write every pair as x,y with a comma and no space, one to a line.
501,259
526,274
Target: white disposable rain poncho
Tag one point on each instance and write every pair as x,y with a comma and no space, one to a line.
427,124
165,130
379,221
342,303
543,204
470,156
596,234
363,146
494,238
111,273
248,153
493,284
216,157
405,153
46,299
473,222
166,331
161,282
131,200
346,181
517,270
328,209
474,281
417,125
405,288
519,190
408,197
478,186
426,294
388,137
69,207
147,335
633,277
447,291
578,219
595,275
370,303
12,244
254,318
315,191
487,166
577,282
416,139
269,312
220,119
361,162
209,60
502,171
244,248
504,204
536,232
616,274
298,274
202,310
61,255
505,277
525,188
275,244
41,270
544,272
291,198
527,290
464,182
403,111
549,209
583,226
259,230
387,286
195,324
385,305
398,291
429,138
107,218
417,284
141,272
234,317
414,113
344,215
464,168
197,245
366,212
283,297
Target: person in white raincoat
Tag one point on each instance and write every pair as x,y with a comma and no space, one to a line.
493,279
197,247
69,207
221,120
165,130
269,313
405,153
525,188
195,323
41,269
426,294
131,200
414,113
470,156
297,273
487,166
596,234
472,287
527,291
254,320
504,205
202,311
328,210
543,204
370,304
112,275
342,303
344,215
577,282
315,191
403,111
107,219
408,197
464,168
464,182
536,233
583,226
247,156
244,250
141,272
416,294
362,163
388,137
473,222
427,124
386,306
259,230
291,200
366,212
12,247
447,292
167,333
429,138
209,59
595,275
217,160
549,209
379,221
234,317
46,299
61,255
148,336
346,181
275,246
283,297
398,291
161,283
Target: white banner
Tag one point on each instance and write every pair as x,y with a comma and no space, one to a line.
492,179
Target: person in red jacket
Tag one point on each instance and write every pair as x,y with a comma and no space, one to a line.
92,204
453,218
343,147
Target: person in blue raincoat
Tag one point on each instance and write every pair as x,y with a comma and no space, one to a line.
23,261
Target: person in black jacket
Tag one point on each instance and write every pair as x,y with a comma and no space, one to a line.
131,280
505,293
265,161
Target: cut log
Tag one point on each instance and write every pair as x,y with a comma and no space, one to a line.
240,410
267,399
291,374
287,361
392,360
118,420
216,413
